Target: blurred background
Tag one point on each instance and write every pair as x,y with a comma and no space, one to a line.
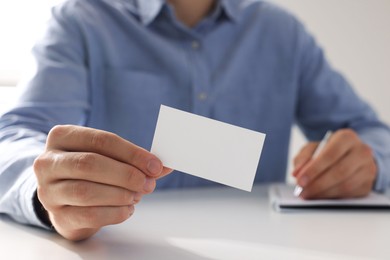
355,35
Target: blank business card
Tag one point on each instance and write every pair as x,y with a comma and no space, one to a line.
207,148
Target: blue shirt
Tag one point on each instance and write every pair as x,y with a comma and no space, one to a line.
110,64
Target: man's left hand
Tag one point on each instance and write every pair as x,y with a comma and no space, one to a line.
345,168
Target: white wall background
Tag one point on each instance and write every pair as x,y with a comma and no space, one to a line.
21,22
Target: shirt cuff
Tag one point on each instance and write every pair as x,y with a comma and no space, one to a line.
27,192
381,178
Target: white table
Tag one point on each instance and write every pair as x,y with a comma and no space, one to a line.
217,223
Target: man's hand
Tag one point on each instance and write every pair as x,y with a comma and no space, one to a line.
344,169
89,178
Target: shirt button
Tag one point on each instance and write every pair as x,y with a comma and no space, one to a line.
195,45
202,96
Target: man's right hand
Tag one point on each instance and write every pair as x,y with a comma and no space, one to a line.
89,178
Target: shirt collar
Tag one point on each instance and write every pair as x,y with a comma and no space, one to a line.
231,8
149,9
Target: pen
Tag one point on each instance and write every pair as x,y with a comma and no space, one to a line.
298,189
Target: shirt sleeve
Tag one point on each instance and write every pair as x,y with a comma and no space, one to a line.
326,101
55,94
18,182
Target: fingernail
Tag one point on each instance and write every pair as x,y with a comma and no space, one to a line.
154,167
131,210
137,197
303,181
149,185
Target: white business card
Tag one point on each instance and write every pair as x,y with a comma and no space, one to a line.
207,148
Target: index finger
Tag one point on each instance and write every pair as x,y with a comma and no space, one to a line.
338,146
84,139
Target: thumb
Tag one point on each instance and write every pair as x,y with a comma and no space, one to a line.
165,172
303,156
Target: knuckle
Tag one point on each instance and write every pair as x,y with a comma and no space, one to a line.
125,197
134,178
330,156
57,132
305,152
296,160
348,134
138,156
80,190
43,163
40,163
101,140
85,162
130,175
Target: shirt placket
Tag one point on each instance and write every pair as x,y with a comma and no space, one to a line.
200,83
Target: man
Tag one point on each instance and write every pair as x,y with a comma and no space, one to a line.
73,151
